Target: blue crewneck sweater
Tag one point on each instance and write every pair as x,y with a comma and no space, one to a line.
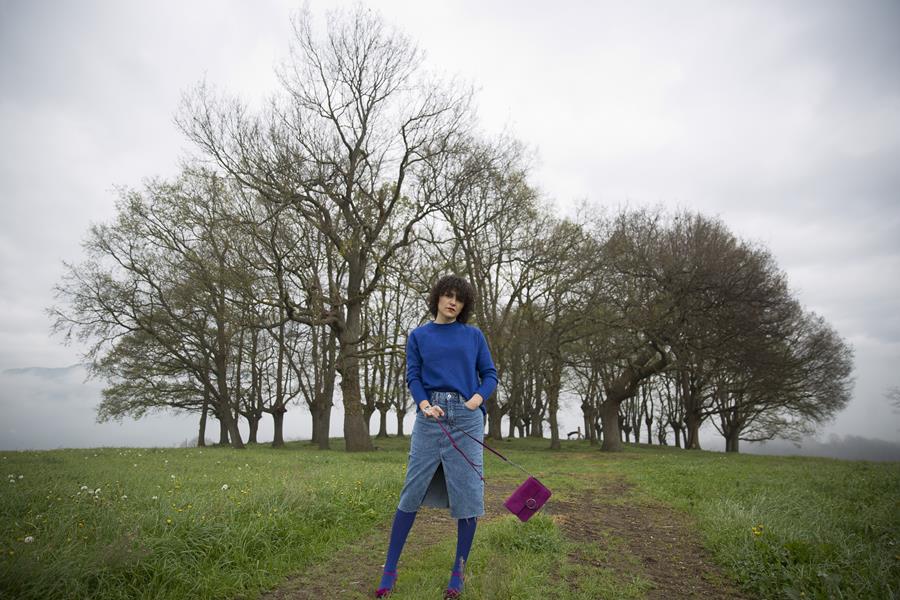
450,357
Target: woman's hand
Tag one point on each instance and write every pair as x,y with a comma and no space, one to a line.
428,410
474,402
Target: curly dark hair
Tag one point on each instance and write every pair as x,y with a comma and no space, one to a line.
457,286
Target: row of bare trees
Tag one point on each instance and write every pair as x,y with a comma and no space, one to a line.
292,254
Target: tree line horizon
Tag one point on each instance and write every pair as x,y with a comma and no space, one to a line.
293,253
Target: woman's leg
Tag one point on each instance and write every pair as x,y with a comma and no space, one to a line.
465,533
403,522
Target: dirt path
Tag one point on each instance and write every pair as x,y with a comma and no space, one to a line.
649,540
658,542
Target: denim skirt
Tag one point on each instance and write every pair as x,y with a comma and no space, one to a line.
437,474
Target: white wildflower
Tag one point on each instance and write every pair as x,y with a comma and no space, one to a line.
155,498
124,497
29,539
21,477
225,487
83,488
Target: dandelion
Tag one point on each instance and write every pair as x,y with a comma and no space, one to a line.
225,487
169,521
29,539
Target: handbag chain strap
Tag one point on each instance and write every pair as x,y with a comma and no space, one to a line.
471,464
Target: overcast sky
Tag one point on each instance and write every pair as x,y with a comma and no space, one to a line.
782,118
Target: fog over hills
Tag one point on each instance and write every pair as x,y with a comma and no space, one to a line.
850,447
46,408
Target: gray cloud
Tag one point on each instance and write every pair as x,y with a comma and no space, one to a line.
781,118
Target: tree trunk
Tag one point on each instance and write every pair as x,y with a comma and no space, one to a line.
495,417
324,401
356,430
356,433
201,435
609,417
223,396
322,424
382,424
677,431
226,416
692,435
278,425
223,432
553,386
733,440
279,409
253,421
400,417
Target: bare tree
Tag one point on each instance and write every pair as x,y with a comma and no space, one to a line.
359,151
491,231
164,271
796,376
630,316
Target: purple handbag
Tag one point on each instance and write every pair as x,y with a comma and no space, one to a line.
528,497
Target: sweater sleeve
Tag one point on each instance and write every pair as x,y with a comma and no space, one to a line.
414,370
486,370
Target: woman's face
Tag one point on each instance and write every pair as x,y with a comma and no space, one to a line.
448,308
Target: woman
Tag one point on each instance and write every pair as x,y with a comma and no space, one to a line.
450,374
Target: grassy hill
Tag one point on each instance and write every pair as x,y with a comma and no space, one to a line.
299,522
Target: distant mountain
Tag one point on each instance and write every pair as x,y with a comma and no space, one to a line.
45,372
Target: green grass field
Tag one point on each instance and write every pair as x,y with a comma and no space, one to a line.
220,523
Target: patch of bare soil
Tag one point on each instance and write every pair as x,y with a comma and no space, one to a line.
657,541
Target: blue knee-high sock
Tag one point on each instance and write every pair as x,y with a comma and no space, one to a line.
403,522
465,533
